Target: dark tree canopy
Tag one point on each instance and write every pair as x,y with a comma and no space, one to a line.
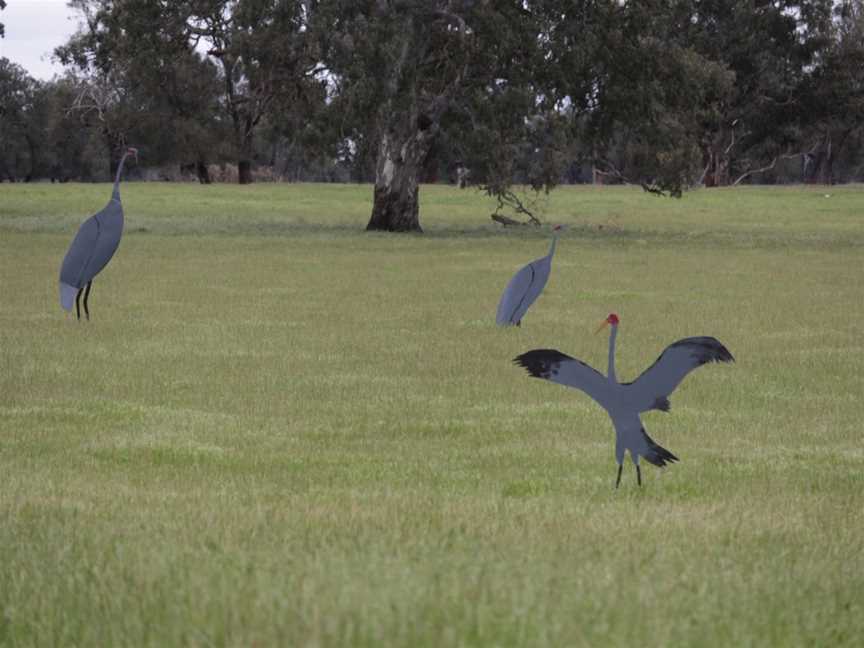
39,136
17,95
832,98
503,94
636,91
769,48
256,55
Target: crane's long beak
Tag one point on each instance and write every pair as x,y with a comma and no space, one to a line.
601,327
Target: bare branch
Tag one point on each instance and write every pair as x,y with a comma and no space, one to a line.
732,141
508,198
767,167
614,172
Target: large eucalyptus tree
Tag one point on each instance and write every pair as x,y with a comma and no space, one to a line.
406,72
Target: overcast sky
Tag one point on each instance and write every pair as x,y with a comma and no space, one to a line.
33,29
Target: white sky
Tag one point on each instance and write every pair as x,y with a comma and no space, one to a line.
33,29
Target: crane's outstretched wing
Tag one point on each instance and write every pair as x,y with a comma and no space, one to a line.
553,365
651,390
522,290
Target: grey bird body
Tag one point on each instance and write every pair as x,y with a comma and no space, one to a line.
95,243
92,248
524,288
624,402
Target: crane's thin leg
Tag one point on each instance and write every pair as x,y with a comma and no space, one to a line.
86,296
77,303
618,480
638,475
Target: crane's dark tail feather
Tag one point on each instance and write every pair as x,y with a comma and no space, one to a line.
656,454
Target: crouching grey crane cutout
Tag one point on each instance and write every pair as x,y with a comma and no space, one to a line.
92,248
624,402
525,287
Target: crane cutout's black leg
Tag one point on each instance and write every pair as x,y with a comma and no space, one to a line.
78,303
638,475
86,296
618,480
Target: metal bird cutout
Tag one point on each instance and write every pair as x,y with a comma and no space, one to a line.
624,402
525,287
92,248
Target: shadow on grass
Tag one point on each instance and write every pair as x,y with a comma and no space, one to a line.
605,234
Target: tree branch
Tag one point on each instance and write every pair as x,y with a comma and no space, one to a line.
767,167
507,198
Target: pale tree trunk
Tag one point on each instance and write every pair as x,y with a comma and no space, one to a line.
717,158
396,206
819,163
826,168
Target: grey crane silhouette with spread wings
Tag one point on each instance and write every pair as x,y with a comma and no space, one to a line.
624,402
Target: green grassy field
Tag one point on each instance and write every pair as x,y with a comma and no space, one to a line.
280,430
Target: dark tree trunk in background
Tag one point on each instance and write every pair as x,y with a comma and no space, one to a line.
114,155
826,168
203,172
244,172
396,206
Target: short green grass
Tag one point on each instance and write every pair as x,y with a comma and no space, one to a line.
280,430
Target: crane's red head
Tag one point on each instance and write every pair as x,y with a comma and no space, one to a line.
612,319
557,228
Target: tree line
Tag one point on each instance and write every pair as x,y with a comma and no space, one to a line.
663,93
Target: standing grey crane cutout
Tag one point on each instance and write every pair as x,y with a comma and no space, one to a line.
525,287
92,248
624,402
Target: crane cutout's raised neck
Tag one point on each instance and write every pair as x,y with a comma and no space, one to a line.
116,193
612,335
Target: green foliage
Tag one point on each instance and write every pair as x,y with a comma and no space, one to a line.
770,49
17,92
278,430
833,97
146,53
663,94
